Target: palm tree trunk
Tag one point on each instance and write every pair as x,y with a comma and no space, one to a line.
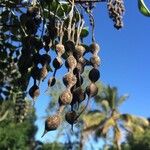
118,146
81,146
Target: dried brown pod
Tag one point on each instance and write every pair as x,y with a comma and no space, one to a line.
79,68
95,61
69,46
43,73
60,49
92,90
57,63
79,81
94,48
65,98
35,73
79,95
45,59
71,62
36,58
34,91
69,79
51,81
82,60
52,123
94,75
79,49
71,117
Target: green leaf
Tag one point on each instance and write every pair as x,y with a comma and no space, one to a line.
143,8
84,32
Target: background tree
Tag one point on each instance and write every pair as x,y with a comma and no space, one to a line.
18,135
112,121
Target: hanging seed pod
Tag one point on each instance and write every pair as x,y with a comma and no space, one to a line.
69,79
52,123
71,117
35,73
79,68
57,63
95,61
60,49
69,46
71,62
79,94
65,98
45,59
94,48
79,81
36,58
82,60
43,73
92,90
34,91
79,49
94,75
51,81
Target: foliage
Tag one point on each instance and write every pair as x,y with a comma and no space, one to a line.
17,135
139,140
54,146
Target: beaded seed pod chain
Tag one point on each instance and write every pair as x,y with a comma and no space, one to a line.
64,33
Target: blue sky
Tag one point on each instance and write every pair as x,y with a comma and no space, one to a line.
125,61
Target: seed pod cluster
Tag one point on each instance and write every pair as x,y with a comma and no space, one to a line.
69,79
94,73
116,9
65,37
21,108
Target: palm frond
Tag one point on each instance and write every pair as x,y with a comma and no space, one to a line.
111,96
140,121
105,106
108,123
121,99
135,120
92,120
134,124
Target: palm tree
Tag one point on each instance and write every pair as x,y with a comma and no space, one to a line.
109,119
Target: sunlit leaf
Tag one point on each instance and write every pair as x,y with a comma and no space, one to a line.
143,8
